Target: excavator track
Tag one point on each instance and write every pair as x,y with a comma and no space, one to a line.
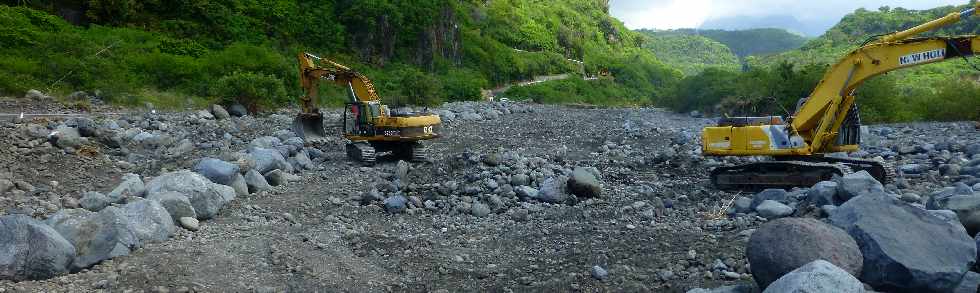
420,153
882,171
362,152
792,172
775,174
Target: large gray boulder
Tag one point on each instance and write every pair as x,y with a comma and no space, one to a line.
131,186
771,209
237,110
65,137
905,248
969,284
267,160
265,142
31,250
219,112
94,201
520,180
256,182
239,185
553,190
176,204
303,161
966,207
742,205
217,171
768,194
207,198
526,192
818,276
96,236
149,221
584,184
855,184
784,245
823,193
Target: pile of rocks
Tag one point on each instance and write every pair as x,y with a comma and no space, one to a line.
101,226
932,252
485,184
479,111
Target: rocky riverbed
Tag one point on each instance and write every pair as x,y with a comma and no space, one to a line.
517,197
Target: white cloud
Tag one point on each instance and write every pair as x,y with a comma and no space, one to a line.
667,14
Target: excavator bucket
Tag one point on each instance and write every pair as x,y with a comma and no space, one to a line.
309,127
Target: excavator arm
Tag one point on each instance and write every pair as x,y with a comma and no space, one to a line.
359,87
309,123
824,112
818,120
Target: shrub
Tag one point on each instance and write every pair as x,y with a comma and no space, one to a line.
254,90
464,85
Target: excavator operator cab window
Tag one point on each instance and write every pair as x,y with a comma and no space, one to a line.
358,118
375,109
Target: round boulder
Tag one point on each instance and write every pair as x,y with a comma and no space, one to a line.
782,245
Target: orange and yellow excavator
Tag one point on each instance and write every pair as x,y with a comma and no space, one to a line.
370,127
827,121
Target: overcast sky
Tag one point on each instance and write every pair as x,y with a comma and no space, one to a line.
670,14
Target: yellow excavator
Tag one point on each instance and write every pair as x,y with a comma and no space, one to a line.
827,121
371,127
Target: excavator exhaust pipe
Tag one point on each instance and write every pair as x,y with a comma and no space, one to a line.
309,127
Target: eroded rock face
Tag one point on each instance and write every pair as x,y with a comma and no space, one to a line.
927,254
32,250
784,245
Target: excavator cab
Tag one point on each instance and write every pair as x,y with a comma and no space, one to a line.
359,118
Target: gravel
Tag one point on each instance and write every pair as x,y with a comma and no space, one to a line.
653,195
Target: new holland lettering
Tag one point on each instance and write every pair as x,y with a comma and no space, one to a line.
922,57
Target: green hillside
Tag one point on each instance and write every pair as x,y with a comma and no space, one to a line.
859,26
416,51
691,54
751,42
773,84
